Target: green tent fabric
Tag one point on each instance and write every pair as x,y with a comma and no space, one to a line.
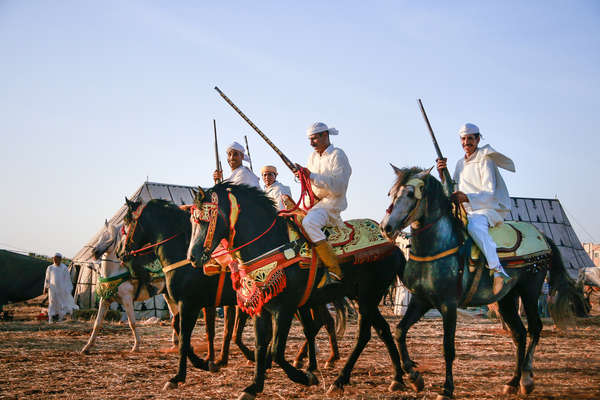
21,277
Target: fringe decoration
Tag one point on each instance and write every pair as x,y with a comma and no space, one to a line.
262,294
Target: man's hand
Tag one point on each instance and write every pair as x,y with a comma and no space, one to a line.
441,164
459,197
217,176
297,172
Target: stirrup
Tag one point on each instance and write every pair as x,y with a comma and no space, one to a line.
329,279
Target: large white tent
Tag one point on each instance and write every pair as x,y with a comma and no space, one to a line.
86,281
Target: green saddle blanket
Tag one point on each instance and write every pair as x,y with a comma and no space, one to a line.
516,242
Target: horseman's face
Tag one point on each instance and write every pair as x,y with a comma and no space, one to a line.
234,158
319,141
269,177
469,143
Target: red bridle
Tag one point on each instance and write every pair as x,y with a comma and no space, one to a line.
136,216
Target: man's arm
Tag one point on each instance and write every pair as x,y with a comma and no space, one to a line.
337,182
487,196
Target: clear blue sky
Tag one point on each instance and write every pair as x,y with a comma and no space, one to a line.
96,96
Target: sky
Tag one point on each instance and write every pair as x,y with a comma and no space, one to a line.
98,97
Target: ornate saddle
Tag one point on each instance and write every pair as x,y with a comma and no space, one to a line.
519,244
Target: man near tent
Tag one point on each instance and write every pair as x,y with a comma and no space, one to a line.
58,285
240,174
483,193
329,172
275,189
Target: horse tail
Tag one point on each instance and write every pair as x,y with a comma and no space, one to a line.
565,295
340,305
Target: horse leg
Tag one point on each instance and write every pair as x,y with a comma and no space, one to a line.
534,328
209,323
227,332
240,322
415,310
307,320
261,336
283,322
326,319
102,309
509,309
188,315
175,320
298,361
448,312
364,335
383,331
127,303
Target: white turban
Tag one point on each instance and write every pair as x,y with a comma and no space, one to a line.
319,127
238,147
57,254
468,129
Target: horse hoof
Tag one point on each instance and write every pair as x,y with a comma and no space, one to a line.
84,351
417,383
507,389
298,364
396,386
335,390
329,365
526,384
443,397
212,367
246,396
312,379
135,349
169,386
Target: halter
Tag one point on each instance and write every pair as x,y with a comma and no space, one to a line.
137,213
418,185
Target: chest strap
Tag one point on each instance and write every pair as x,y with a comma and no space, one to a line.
435,256
176,265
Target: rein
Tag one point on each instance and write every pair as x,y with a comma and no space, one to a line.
136,216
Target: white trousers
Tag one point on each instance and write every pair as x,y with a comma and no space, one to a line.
478,229
315,220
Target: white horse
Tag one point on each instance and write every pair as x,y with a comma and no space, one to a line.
127,288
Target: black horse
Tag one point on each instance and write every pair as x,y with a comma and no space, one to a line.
432,274
165,224
259,230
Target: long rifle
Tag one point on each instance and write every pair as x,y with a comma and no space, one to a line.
445,172
248,152
285,160
219,167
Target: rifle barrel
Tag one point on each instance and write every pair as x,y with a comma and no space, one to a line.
217,160
435,143
285,160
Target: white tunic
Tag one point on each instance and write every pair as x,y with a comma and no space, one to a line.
275,191
330,174
59,285
478,177
243,176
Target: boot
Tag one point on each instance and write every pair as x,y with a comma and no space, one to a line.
501,278
326,254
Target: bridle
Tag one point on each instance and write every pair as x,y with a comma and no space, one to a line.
418,184
145,250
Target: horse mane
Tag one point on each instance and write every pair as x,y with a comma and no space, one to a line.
259,198
160,203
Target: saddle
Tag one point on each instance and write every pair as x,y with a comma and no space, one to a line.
519,244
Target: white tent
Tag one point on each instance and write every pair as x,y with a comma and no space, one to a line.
86,282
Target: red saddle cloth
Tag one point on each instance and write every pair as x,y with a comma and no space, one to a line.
359,241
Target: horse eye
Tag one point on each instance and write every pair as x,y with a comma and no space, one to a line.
410,195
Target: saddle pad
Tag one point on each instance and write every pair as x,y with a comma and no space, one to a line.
355,236
515,240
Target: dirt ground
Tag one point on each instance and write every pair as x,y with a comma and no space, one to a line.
38,360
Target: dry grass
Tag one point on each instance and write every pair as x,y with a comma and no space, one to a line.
38,360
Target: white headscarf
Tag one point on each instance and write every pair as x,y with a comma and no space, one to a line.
468,129
319,127
238,147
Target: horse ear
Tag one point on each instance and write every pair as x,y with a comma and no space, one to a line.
199,195
106,222
429,170
128,202
397,170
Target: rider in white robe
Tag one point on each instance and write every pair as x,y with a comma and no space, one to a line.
273,188
483,193
58,285
329,176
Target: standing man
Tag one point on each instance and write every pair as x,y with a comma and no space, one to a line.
239,173
330,172
58,285
274,189
483,193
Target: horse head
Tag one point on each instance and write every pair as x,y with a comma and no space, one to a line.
408,195
129,228
109,238
207,228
